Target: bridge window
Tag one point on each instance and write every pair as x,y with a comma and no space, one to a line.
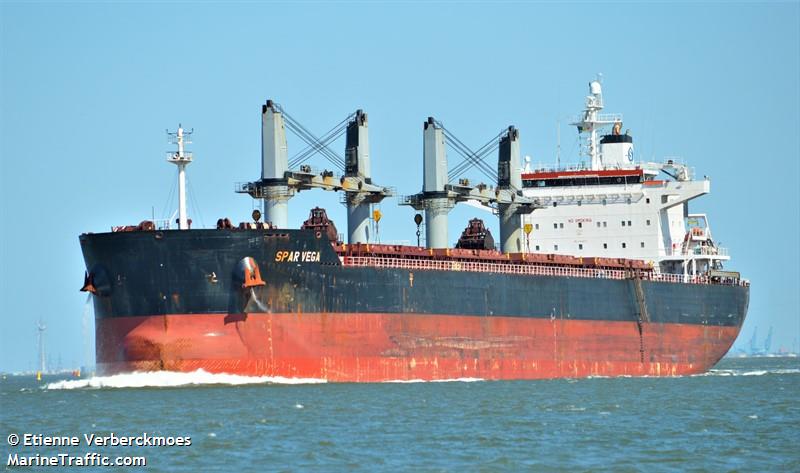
579,180
648,222
642,244
580,225
623,245
580,246
605,246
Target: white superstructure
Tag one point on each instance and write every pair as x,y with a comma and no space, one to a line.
617,207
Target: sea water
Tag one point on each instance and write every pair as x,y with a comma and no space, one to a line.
744,415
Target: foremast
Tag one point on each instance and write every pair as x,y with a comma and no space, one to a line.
181,158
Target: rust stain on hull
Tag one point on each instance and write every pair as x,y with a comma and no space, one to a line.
381,347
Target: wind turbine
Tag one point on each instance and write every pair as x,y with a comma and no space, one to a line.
41,327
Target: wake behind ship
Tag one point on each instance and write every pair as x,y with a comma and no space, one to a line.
601,271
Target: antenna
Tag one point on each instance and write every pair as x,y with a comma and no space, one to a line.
181,158
558,144
41,327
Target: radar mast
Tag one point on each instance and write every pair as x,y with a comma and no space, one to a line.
590,121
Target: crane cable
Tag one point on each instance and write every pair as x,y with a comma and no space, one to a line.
473,158
315,143
467,164
328,137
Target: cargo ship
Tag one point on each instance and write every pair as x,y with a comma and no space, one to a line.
600,269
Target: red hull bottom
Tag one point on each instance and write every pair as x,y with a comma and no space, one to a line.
386,347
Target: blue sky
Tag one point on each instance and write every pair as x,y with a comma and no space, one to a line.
88,89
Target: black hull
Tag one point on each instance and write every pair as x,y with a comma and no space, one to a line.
199,271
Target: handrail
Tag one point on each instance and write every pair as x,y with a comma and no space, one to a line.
523,269
698,251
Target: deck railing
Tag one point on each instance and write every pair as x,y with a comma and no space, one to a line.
697,251
526,269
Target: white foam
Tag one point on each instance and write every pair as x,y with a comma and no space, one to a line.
169,379
787,371
754,373
750,372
